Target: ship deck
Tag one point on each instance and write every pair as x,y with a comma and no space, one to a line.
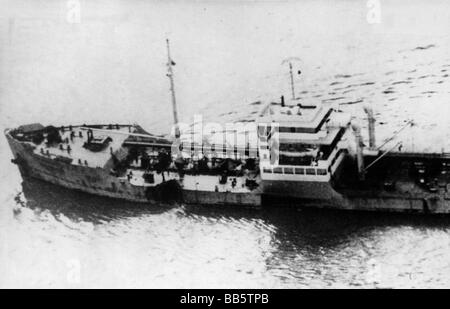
79,154
419,155
396,173
99,159
191,182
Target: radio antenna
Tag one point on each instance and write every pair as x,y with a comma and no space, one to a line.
289,61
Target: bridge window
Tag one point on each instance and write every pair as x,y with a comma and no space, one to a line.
321,171
300,171
278,170
310,171
288,170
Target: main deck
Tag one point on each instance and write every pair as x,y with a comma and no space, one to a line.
75,138
72,164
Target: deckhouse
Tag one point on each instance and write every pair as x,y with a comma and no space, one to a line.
301,142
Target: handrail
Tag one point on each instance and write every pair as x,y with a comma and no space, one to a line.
295,167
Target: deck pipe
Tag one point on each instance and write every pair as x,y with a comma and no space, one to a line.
359,151
368,110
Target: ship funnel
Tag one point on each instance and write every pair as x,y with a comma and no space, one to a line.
359,150
368,110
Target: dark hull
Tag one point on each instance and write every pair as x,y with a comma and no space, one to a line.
356,201
348,192
98,181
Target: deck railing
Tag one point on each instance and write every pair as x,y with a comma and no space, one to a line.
292,170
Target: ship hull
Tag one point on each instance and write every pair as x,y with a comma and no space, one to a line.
98,181
323,195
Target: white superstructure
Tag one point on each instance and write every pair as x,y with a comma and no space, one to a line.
299,142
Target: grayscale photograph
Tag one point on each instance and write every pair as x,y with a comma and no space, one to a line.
213,144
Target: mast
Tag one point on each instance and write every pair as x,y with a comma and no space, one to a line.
170,63
292,80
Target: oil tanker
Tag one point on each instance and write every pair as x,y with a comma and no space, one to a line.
307,155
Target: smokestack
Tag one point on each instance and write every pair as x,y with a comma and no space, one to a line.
368,110
282,101
359,151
